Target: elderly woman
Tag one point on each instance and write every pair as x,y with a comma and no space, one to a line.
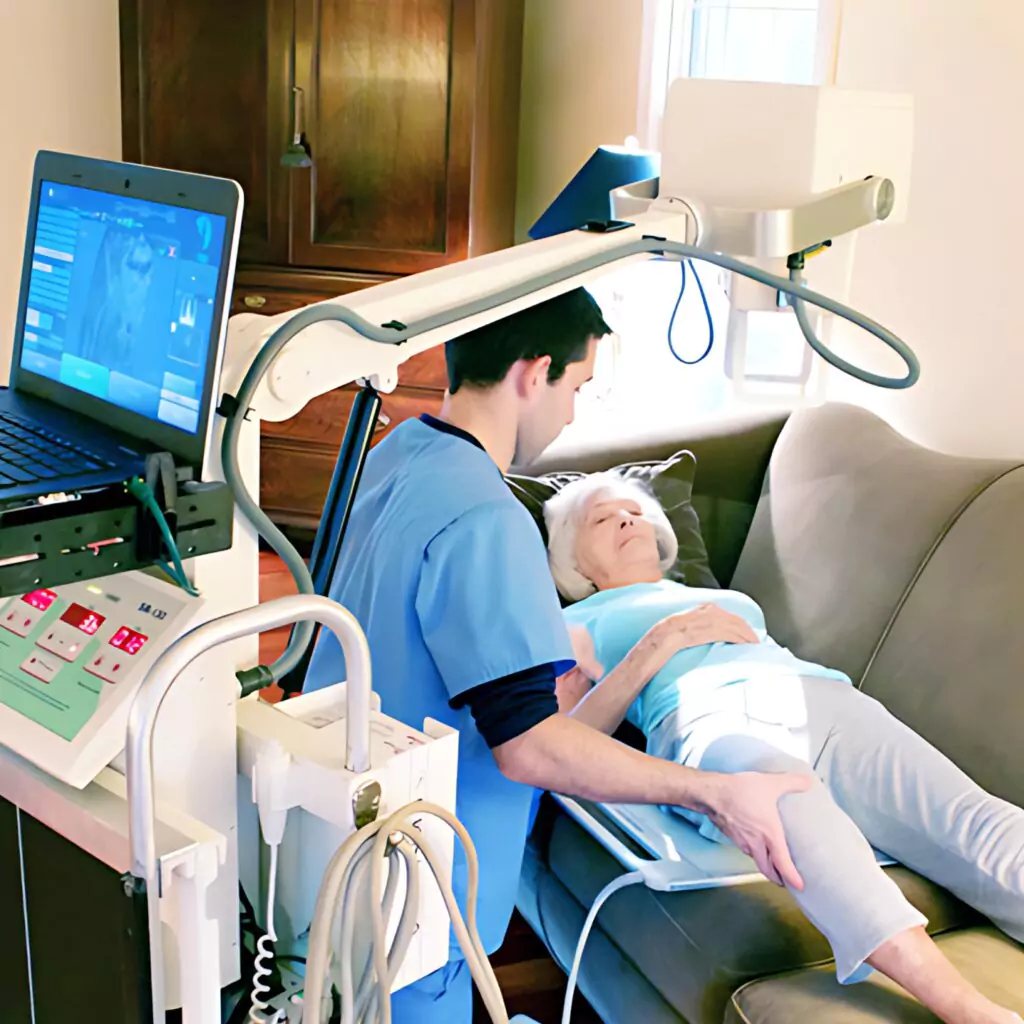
717,693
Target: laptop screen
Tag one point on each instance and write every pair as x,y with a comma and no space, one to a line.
121,300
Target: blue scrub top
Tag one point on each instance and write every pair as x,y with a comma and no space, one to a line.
448,576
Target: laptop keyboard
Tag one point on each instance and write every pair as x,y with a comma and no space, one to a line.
29,453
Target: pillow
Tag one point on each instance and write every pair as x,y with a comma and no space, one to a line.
671,482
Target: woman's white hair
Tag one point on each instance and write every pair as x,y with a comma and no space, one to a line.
564,514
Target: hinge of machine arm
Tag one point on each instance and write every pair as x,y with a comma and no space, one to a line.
229,407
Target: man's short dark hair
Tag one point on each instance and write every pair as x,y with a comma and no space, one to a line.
558,327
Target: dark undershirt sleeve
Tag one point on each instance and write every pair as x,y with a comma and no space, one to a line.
507,707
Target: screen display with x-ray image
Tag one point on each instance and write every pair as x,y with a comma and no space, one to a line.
121,300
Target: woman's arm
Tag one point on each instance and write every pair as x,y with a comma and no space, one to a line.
605,705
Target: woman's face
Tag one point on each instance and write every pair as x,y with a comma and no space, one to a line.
615,545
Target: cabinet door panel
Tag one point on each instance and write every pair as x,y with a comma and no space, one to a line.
389,103
205,88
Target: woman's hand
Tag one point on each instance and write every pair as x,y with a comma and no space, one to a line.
705,624
583,648
577,683
571,688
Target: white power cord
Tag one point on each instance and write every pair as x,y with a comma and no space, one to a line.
659,875
268,779
264,957
395,839
631,878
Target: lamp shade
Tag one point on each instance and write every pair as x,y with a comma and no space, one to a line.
588,196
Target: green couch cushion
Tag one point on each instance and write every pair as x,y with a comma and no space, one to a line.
984,956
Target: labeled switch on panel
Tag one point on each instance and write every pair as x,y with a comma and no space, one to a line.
63,640
20,618
110,666
41,667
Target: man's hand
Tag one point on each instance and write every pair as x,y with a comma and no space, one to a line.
745,807
705,624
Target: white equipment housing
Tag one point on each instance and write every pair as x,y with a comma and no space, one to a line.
322,799
66,782
770,147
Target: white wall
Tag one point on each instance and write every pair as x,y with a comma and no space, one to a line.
579,91
951,280
59,89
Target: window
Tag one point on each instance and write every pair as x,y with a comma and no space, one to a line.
762,40
640,378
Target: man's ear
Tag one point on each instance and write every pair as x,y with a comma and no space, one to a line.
533,373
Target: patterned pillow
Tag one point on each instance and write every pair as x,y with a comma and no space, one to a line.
671,482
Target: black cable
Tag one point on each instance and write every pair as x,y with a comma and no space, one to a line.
250,912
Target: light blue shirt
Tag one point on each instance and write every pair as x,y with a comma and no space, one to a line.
447,574
616,620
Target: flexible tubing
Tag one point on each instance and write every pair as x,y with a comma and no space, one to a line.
339,892
899,346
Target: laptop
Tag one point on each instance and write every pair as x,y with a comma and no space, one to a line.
121,323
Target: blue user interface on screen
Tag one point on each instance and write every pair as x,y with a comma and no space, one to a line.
121,300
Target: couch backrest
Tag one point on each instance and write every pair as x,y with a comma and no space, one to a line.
905,568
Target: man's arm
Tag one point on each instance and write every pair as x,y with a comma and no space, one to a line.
566,756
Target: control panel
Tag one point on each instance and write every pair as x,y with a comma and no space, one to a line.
71,659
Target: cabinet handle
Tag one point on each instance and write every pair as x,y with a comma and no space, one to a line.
255,301
298,153
383,422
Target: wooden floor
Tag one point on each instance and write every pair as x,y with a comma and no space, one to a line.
530,980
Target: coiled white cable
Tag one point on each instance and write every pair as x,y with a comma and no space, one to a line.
265,956
395,838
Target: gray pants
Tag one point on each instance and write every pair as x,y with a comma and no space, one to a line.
877,783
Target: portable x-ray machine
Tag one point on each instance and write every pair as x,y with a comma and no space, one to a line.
124,839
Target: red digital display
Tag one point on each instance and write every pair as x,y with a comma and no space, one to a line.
128,640
82,618
41,599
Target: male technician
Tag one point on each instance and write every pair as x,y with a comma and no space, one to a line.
448,575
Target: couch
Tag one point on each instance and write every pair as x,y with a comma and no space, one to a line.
905,568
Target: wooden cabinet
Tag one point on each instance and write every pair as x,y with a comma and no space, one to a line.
388,90
205,87
408,110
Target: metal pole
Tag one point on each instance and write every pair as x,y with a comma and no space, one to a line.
157,684
362,422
